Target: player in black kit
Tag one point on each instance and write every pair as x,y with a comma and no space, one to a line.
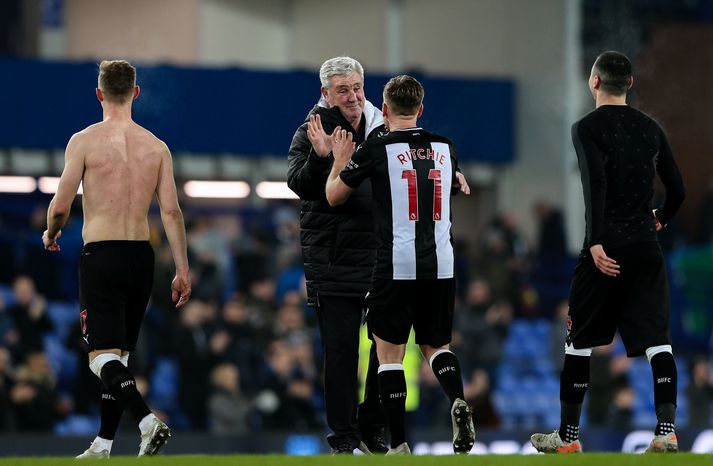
620,278
412,173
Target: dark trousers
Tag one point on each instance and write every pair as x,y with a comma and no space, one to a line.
339,323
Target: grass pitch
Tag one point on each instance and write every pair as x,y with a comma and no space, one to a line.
587,459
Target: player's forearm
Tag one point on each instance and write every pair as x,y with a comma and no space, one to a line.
57,217
176,234
331,187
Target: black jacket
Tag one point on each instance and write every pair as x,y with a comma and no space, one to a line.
338,243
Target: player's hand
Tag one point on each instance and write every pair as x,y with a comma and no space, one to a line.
463,183
659,226
321,141
342,147
604,263
51,243
181,288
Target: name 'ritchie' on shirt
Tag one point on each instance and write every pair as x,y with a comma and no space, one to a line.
421,154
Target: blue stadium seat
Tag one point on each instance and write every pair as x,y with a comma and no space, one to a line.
76,425
63,315
164,384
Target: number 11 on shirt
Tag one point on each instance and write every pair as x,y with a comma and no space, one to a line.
412,181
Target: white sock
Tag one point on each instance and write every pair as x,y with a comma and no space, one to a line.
145,423
102,444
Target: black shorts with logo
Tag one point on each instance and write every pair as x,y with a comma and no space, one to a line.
394,306
636,302
115,281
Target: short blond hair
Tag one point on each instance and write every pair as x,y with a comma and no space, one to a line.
117,79
404,95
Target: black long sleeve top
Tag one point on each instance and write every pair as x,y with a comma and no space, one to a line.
620,151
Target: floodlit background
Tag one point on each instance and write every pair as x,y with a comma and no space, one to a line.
225,83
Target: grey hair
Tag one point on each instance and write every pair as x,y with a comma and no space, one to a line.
339,66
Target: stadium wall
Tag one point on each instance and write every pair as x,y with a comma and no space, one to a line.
523,41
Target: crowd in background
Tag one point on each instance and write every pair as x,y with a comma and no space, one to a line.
244,354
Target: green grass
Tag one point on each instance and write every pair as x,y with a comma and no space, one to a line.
587,459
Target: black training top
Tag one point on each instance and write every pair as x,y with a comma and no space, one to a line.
620,150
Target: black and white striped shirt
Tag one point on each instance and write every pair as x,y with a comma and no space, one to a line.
412,172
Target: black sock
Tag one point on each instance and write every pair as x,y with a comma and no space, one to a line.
392,391
122,386
370,415
663,367
574,381
110,415
447,370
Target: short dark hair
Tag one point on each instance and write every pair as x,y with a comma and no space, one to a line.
117,79
404,95
614,71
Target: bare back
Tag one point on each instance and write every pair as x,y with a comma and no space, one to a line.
122,167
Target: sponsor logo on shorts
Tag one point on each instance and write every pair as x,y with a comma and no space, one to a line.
83,320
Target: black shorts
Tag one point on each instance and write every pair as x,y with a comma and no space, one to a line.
636,302
115,281
394,306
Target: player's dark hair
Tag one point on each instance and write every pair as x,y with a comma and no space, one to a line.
117,79
614,71
404,95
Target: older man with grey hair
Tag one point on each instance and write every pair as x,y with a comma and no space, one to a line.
339,250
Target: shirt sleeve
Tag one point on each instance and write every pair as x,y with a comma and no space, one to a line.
455,186
673,182
594,181
306,172
359,168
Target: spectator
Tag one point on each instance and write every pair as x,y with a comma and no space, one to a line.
480,328
608,372
432,411
195,359
705,212
229,409
293,390
477,394
551,270
34,395
5,387
621,410
9,337
29,315
290,324
551,238
558,335
700,393
164,272
240,342
86,384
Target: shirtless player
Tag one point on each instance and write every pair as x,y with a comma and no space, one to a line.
120,165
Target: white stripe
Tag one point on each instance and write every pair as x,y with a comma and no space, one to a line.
98,362
390,367
442,231
569,349
654,350
434,355
403,249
